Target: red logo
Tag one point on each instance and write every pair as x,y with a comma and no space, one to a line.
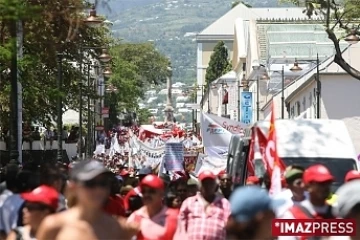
313,227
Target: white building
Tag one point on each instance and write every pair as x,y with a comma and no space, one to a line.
339,95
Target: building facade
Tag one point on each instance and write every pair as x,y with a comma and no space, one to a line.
338,96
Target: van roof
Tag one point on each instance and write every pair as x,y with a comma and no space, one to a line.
311,138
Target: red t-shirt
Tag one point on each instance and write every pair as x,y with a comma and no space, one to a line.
115,206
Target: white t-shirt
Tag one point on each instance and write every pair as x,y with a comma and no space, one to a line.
286,196
5,194
9,213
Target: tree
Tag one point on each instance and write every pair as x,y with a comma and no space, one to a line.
143,115
136,67
337,15
234,4
50,27
219,63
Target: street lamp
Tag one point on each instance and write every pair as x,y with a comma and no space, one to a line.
352,38
104,57
107,72
296,68
93,20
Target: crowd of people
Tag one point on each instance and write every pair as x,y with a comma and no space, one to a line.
85,200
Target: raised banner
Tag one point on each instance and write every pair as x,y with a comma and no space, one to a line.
217,131
214,160
246,108
174,156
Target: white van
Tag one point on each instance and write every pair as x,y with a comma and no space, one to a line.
306,142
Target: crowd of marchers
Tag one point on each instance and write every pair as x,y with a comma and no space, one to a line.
87,201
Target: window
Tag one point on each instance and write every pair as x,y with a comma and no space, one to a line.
292,112
298,108
304,103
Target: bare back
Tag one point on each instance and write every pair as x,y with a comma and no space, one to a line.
67,225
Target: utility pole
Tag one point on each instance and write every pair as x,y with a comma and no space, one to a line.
59,155
282,92
318,88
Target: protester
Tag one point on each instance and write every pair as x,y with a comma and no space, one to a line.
11,211
352,175
115,204
253,180
136,192
317,180
157,222
89,180
252,211
192,187
348,206
204,215
39,203
295,193
54,176
225,185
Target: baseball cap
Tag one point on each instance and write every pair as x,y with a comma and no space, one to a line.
348,196
253,180
317,173
145,171
207,175
352,175
152,181
87,170
293,174
43,194
247,201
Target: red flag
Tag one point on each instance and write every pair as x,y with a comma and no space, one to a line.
251,155
274,162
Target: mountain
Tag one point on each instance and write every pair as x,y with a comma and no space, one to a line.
171,25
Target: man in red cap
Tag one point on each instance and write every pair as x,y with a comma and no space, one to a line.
317,180
39,203
252,180
157,222
352,175
204,215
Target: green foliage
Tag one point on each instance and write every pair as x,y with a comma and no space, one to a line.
143,115
135,68
234,4
59,29
219,63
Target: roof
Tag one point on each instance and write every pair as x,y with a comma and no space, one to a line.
225,25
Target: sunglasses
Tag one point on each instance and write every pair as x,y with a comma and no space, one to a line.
96,183
36,207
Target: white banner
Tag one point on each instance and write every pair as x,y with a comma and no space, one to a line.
214,160
216,131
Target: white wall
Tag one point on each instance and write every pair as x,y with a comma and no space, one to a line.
340,99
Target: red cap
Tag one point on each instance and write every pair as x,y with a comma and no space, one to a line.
152,181
124,172
317,173
207,174
43,194
222,172
252,180
352,175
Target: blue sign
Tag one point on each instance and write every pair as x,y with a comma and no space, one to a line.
246,107
174,156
